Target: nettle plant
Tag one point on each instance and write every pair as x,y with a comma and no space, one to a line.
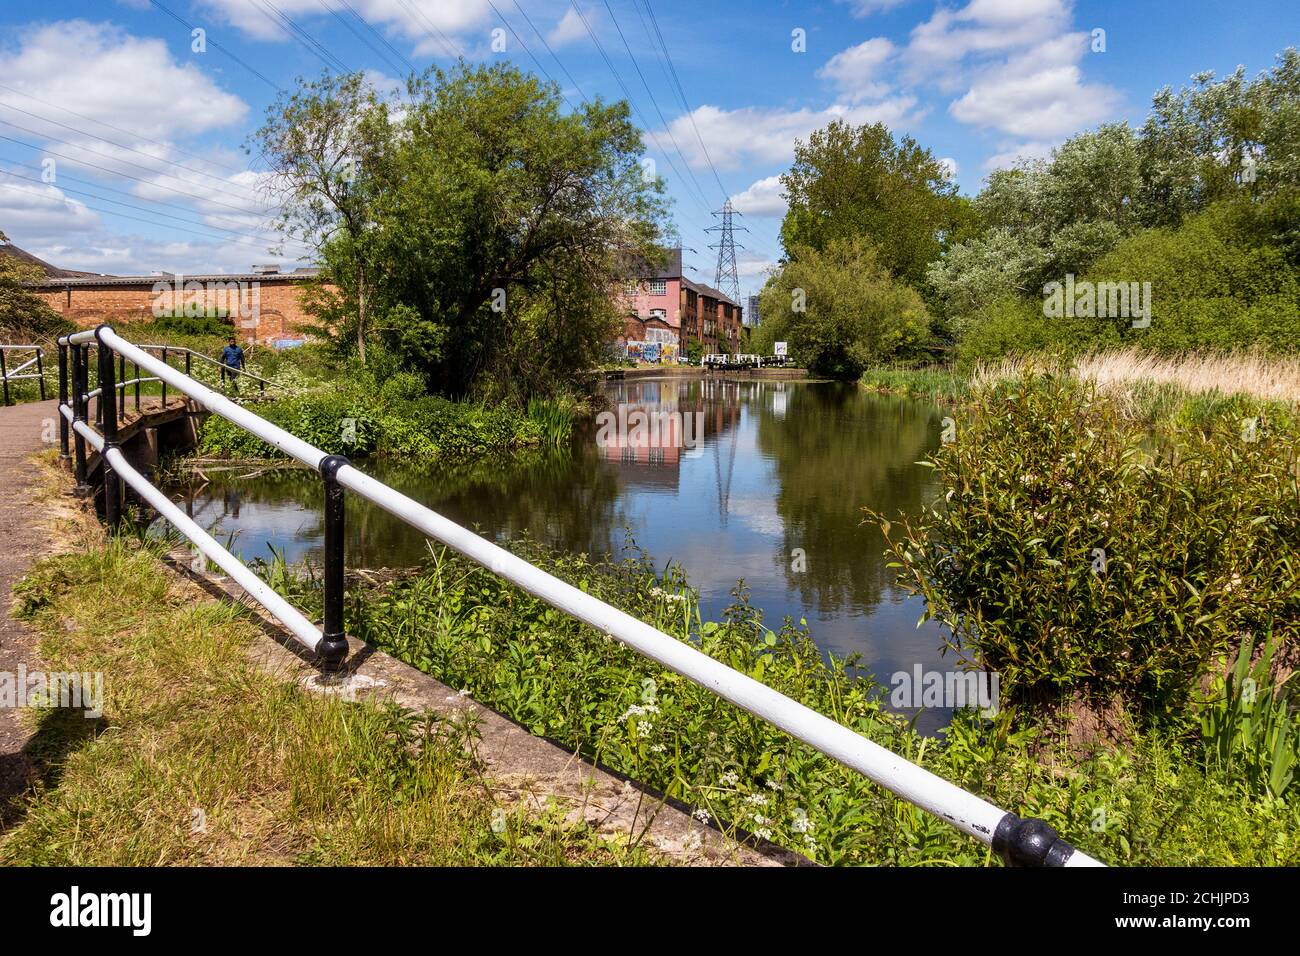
1083,559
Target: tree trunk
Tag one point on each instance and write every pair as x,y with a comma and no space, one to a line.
361,314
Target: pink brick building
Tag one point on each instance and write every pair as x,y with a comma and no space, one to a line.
664,306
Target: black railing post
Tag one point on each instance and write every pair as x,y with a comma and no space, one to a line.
121,385
63,401
164,381
137,388
40,370
80,386
333,648
108,399
4,375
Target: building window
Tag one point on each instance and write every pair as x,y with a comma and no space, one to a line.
630,287
658,286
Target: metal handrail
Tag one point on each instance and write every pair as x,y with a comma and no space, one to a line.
1018,841
7,376
225,369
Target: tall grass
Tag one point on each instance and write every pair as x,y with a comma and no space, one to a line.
1151,386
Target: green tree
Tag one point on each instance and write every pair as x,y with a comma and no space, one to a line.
841,310
1216,138
851,181
490,228
327,143
24,316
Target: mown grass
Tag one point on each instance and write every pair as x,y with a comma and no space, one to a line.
202,759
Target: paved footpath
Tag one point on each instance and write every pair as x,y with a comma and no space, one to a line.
22,541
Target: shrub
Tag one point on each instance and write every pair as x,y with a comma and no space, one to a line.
1076,557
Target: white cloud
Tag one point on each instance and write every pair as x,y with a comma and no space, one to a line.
419,21
1039,94
762,198
865,8
1011,154
855,71
99,70
568,30
750,264
39,210
768,135
950,164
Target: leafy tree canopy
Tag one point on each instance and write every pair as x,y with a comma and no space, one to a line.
851,181
471,227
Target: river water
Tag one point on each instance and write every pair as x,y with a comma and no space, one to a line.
771,492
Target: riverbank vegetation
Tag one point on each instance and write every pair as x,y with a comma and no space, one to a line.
1174,238
159,779
1164,795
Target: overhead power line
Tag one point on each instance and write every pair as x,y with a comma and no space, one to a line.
118,129
360,36
699,199
653,101
280,19
62,177
114,172
126,205
139,152
557,60
152,222
215,45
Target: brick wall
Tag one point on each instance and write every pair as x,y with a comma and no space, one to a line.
261,310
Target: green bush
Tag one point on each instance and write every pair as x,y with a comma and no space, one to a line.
385,424
1197,543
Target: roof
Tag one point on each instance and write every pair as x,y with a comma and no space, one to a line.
711,292
22,255
74,280
667,267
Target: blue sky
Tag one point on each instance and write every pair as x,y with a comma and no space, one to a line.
142,134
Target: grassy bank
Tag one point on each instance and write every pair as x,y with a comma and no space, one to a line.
939,383
160,779
1165,795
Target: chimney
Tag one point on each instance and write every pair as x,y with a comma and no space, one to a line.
266,270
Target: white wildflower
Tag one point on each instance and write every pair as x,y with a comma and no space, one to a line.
729,779
639,710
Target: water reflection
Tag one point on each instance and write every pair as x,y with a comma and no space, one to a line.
771,493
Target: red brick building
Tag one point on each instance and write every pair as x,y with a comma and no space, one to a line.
263,305
664,306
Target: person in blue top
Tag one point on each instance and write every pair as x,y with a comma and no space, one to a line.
232,357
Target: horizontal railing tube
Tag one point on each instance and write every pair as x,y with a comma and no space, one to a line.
259,590
273,435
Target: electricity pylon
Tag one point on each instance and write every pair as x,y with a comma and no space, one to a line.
728,280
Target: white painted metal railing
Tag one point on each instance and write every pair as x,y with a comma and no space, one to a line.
1017,840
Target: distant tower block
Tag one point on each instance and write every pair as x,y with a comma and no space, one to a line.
728,280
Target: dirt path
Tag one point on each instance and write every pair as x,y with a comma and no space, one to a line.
23,538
